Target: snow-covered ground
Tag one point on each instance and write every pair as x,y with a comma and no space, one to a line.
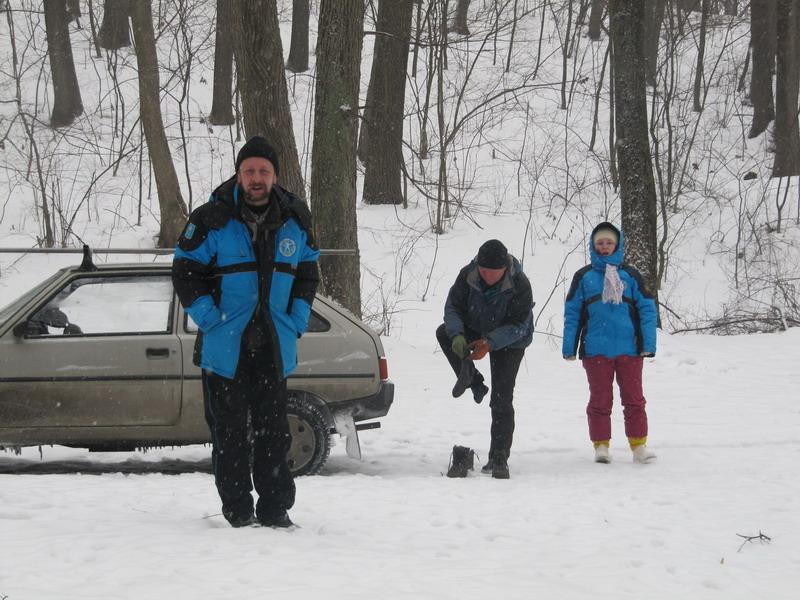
724,421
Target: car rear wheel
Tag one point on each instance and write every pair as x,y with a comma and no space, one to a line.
311,438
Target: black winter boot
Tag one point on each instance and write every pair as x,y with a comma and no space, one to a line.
479,391
235,520
500,468
461,461
465,377
278,518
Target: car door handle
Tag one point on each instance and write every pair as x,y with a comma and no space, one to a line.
157,353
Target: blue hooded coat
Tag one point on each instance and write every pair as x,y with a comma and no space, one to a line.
594,328
221,282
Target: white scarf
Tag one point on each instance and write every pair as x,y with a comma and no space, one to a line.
612,286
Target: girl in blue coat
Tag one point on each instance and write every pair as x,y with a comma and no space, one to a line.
610,323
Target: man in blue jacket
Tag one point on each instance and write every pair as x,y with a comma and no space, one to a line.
489,310
245,270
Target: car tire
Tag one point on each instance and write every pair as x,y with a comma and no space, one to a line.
311,438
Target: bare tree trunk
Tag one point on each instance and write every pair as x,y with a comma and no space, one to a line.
654,17
699,73
74,11
442,190
298,50
384,161
222,105
637,186
732,7
262,84
612,125
565,57
67,103
514,24
170,201
742,85
368,116
597,97
114,33
460,22
418,29
93,26
787,86
333,158
763,30
583,8
444,28
431,66
596,19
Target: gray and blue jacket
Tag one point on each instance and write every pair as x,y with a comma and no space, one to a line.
234,287
593,328
502,313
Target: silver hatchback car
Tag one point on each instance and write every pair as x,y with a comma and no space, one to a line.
100,357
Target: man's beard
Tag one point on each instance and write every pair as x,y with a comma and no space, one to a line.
260,196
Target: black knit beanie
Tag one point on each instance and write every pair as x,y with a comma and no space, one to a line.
493,255
257,146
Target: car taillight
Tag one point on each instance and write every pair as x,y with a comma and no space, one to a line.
383,367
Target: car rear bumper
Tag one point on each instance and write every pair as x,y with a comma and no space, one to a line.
369,407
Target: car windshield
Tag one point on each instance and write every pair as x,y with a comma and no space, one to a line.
15,305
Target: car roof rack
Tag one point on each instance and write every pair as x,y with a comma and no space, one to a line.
323,251
87,264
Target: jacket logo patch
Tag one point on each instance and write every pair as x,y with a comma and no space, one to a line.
190,228
287,247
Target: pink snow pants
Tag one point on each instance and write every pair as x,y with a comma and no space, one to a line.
600,372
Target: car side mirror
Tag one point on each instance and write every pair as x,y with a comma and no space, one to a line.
20,329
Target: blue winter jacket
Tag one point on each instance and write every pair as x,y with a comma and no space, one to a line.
502,313
216,275
593,328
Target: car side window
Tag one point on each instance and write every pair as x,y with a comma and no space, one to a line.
98,305
316,324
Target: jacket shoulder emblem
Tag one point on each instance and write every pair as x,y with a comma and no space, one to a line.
287,247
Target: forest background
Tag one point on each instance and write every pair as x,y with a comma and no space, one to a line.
118,118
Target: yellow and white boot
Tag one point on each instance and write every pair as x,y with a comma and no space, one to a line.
601,454
641,454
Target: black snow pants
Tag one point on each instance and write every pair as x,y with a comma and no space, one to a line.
259,391
504,366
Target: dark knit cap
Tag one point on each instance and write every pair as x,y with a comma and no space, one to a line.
257,146
493,255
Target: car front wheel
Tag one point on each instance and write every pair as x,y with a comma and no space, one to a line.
311,439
